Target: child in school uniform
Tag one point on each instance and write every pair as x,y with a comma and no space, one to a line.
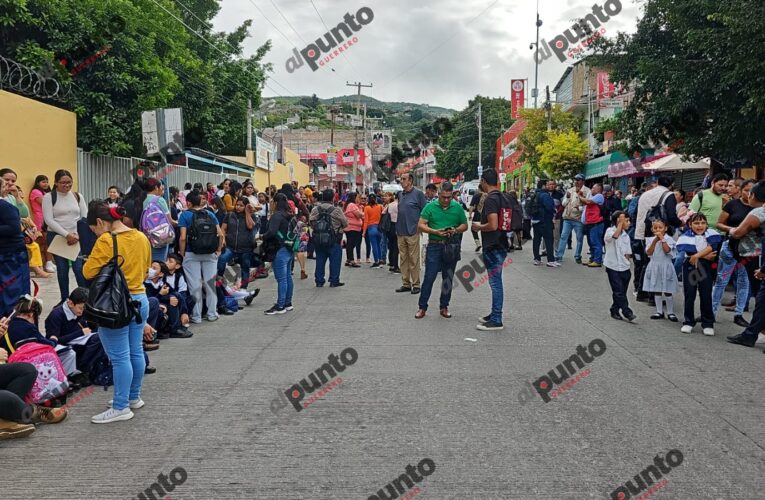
660,276
616,261
176,280
700,245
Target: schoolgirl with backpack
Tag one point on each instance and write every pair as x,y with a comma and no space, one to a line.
283,238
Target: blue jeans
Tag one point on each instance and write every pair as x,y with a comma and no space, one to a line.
124,346
62,271
728,267
577,227
282,267
335,256
494,261
373,235
383,246
595,233
245,262
434,264
160,254
679,264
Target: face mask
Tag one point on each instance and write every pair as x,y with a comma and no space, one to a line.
152,273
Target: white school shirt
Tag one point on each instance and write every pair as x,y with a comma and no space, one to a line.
616,249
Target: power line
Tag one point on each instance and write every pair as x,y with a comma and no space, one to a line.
219,50
272,24
288,22
438,46
327,28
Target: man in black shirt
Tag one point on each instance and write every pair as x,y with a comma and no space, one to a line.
475,214
495,247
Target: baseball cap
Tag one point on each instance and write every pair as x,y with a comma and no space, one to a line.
607,188
579,177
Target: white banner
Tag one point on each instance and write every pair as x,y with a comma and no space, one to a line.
265,151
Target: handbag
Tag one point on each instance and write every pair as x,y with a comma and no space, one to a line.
109,302
385,223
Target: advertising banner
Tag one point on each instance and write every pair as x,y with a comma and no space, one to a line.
517,98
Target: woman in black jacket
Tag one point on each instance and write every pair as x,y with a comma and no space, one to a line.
237,229
281,226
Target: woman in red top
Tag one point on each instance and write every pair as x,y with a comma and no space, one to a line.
372,215
41,187
355,217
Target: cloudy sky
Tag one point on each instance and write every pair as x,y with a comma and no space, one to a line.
440,53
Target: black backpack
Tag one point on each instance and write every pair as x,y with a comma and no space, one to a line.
109,302
324,236
657,212
533,207
203,233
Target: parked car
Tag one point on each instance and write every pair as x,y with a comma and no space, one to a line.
393,188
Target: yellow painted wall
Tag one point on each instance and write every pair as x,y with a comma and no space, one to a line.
281,173
36,138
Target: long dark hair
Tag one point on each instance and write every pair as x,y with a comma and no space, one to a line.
282,204
38,180
99,209
351,198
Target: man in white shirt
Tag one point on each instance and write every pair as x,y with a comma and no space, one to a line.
572,215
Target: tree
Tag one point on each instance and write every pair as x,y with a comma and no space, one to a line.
152,61
458,152
535,134
563,154
695,67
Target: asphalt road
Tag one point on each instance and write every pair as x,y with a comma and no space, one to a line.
647,400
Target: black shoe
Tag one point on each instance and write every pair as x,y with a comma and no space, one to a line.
225,311
335,285
657,316
415,290
490,326
631,318
672,318
616,315
275,310
742,339
163,336
403,289
248,300
319,285
740,321
149,370
578,261
375,266
181,333
396,270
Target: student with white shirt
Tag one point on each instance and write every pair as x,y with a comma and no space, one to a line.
62,209
618,252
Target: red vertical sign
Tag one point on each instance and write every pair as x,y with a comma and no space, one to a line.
517,98
606,89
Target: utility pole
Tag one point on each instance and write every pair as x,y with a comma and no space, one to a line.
536,59
548,108
480,135
249,124
358,85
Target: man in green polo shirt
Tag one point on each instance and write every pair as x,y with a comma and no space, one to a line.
441,221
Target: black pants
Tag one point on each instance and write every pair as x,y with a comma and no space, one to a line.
758,317
353,242
701,282
544,230
16,380
393,248
641,262
620,282
526,229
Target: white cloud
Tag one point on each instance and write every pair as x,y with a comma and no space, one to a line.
422,52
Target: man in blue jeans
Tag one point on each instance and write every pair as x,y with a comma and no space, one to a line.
572,218
593,224
441,221
495,246
333,253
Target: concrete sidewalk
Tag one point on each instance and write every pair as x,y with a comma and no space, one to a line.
420,392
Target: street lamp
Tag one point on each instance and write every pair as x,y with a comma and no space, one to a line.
535,46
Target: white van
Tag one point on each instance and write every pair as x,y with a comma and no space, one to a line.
393,188
467,190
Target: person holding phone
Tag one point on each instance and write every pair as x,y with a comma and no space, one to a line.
441,221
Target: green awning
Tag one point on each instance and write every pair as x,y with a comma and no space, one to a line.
598,167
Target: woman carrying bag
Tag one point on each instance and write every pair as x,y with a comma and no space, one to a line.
124,345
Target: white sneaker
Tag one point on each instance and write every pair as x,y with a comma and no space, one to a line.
709,332
686,329
112,415
553,264
537,262
50,267
134,404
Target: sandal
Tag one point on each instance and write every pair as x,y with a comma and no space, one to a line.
445,313
672,318
420,314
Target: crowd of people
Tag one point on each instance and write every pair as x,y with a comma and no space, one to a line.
191,254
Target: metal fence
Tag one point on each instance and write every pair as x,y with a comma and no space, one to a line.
96,173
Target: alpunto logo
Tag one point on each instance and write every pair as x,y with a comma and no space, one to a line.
644,480
395,488
320,377
332,40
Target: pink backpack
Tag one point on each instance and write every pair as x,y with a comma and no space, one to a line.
51,379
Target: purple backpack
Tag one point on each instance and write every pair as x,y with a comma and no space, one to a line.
156,225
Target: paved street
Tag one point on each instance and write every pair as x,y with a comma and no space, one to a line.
419,390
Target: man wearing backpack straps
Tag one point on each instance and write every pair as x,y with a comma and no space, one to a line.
572,218
327,222
200,245
655,197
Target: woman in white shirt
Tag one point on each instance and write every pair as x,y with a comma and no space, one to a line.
62,209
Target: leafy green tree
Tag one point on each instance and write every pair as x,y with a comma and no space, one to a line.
458,150
536,132
563,154
695,67
150,61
